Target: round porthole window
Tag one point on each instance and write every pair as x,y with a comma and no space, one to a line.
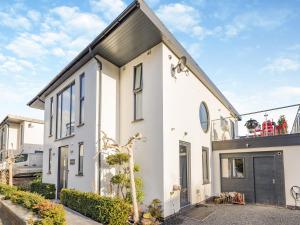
204,117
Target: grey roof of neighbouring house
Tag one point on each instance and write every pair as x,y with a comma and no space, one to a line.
134,31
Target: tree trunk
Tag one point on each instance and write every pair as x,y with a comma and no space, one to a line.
10,172
133,188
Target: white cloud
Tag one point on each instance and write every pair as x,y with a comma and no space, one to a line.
179,17
24,46
34,15
282,65
14,21
63,33
109,8
10,65
255,19
71,19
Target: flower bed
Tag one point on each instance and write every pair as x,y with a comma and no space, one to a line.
49,213
106,210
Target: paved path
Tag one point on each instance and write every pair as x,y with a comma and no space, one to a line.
74,218
238,215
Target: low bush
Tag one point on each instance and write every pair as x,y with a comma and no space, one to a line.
44,189
106,210
49,213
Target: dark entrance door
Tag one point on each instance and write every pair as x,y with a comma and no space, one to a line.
264,180
63,171
184,173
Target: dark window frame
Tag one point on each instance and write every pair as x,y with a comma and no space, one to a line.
232,168
137,90
205,177
72,87
80,158
49,161
81,98
208,117
51,117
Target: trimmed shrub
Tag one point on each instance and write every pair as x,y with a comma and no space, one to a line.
106,210
49,213
44,189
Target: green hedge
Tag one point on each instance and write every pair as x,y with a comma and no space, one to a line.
44,189
49,213
106,210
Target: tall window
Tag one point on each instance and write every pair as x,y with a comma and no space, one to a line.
80,159
65,112
138,91
49,160
205,165
82,95
232,132
51,117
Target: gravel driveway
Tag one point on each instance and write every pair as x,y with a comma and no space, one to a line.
237,215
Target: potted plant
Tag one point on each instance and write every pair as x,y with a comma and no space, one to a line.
282,125
251,125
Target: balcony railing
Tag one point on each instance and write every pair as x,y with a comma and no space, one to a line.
277,121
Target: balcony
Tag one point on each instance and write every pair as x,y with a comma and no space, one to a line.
265,125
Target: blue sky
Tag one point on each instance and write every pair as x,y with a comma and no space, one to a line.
250,49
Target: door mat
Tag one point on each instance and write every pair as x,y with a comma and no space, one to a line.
195,214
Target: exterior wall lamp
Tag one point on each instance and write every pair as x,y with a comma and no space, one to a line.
180,67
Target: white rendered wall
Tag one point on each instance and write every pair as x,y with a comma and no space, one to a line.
181,102
33,133
86,133
291,156
148,152
13,136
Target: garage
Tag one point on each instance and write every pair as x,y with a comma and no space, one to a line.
259,175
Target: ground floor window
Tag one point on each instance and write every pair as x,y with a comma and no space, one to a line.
205,165
233,167
80,159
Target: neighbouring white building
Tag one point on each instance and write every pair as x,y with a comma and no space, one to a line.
131,79
22,138
20,135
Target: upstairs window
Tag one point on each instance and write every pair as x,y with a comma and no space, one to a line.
204,117
81,99
51,117
138,92
65,112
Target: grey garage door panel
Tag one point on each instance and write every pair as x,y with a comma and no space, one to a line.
256,188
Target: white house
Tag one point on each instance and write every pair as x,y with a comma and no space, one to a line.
127,81
20,135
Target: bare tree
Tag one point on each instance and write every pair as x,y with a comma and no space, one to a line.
109,143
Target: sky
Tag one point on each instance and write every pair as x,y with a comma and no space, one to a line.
249,49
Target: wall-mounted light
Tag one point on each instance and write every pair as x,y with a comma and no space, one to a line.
180,67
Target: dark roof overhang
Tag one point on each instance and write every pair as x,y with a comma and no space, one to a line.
134,31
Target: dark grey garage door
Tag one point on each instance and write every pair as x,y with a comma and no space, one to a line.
258,175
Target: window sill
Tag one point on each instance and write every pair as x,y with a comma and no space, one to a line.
205,183
80,125
138,120
60,139
50,136
79,175
49,173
